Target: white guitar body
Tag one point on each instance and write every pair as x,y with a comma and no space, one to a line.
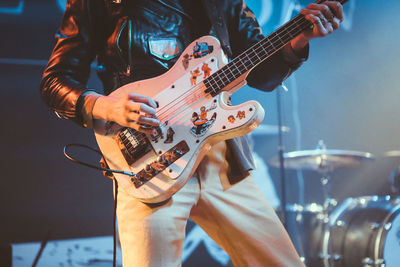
193,121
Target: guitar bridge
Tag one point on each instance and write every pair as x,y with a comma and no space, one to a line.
132,144
162,162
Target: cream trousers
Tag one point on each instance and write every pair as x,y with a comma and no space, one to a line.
239,219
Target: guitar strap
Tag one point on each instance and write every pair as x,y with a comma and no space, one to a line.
218,21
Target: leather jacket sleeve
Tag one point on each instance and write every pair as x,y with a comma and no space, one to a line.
244,32
63,85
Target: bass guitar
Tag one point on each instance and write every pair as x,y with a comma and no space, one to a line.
193,99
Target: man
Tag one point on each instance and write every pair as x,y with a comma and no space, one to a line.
139,39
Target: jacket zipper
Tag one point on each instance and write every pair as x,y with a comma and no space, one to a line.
129,67
128,63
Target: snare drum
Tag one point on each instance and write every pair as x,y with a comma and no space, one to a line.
363,231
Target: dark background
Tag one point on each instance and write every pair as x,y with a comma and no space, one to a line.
346,94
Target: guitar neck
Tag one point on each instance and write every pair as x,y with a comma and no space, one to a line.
257,53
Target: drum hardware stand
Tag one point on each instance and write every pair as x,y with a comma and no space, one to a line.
329,203
328,206
281,159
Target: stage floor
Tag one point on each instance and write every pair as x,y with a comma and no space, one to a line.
94,251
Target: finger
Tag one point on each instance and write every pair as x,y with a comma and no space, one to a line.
132,116
335,23
325,10
140,128
328,28
150,121
336,8
142,99
140,107
316,13
316,21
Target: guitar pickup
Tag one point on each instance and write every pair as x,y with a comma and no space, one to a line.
162,162
132,144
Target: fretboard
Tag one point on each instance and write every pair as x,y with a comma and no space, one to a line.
257,53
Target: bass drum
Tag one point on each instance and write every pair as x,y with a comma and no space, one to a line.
363,231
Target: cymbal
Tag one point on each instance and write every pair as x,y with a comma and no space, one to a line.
269,129
392,154
322,160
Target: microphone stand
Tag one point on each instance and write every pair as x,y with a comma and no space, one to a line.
281,159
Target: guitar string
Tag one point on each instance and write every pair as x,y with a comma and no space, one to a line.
301,25
212,80
221,79
218,72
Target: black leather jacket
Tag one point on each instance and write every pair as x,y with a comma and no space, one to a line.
119,36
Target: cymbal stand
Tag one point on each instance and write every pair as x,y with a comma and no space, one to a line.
281,160
328,205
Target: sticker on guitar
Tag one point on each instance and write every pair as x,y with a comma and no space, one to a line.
201,122
199,50
197,73
241,114
202,49
194,74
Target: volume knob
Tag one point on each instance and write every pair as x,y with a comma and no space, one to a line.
148,169
162,160
178,152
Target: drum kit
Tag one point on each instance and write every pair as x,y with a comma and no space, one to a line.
360,231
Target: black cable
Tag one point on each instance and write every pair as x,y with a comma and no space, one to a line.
115,189
90,165
115,223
